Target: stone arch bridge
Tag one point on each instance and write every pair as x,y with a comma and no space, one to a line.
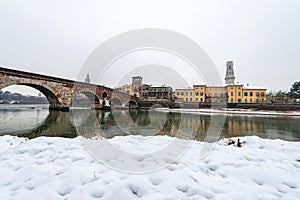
59,91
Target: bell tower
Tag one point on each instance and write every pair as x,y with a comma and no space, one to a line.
229,78
136,84
87,79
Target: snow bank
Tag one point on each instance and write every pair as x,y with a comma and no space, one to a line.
60,168
233,111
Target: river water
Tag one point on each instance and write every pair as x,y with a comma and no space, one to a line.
36,120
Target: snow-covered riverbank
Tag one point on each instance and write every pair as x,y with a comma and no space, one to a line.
234,111
60,168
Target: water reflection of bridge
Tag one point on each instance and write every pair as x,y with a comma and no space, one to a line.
89,123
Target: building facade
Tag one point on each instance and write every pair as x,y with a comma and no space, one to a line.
230,93
160,92
147,91
133,88
226,94
125,88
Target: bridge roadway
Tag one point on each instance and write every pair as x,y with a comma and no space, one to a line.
60,92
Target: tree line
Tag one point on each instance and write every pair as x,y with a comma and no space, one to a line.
6,97
285,97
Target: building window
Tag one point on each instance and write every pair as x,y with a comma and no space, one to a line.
197,99
239,93
186,99
182,93
191,99
197,93
246,101
245,94
201,93
177,93
191,93
231,100
232,94
201,99
186,93
250,100
257,94
262,94
239,100
251,94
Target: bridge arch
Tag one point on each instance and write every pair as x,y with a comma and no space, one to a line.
51,97
116,102
94,100
132,104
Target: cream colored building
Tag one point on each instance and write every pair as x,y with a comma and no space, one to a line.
231,93
186,95
134,88
221,94
126,89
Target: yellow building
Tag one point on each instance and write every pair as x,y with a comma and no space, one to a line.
231,93
185,95
221,94
200,91
126,89
215,94
234,93
254,95
134,88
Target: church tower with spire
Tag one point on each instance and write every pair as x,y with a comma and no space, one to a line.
229,78
87,79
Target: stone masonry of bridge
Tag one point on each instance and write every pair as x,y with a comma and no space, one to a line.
59,91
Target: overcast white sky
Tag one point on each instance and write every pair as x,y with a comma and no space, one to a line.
55,37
